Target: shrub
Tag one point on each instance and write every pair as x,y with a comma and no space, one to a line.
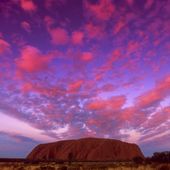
20,168
73,168
164,167
62,168
138,160
161,157
47,168
70,157
148,160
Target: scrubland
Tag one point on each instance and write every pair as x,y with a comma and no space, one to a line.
82,166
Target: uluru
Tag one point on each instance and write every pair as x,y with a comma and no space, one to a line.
86,149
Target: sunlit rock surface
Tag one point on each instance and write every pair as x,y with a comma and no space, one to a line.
86,149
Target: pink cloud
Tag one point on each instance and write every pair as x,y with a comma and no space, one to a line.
49,21
4,46
27,87
155,95
138,114
117,101
32,60
75,86
128,113
93,122
107,88
133,46
41,89
28,5
59,36
99,76
164,85
118,27
149,3
86,56
159,117
96,105
113,103
130,2
94,31
116,55
26,26
167,109
50,3
103,10
149,98
77,37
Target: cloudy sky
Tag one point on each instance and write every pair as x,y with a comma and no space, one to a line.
84,68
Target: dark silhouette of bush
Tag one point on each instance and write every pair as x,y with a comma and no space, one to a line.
138,160
62,168
161,157
21,168
73,168
70,157
164,167
47,168
148,160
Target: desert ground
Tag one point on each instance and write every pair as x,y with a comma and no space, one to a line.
82,166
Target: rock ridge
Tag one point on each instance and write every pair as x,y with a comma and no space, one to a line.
86,149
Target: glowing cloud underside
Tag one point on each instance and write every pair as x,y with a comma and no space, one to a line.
80,68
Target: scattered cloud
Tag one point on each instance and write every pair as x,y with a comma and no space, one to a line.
103,10
59,36
77,37
32,60
101,70
28,5
87,56
18,127
4,46
26,26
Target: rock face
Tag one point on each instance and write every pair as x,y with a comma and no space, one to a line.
86,149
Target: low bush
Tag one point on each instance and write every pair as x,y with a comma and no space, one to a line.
164,167
47,168
138,160
62,168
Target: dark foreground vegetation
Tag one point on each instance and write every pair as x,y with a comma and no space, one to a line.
157,157
160,157
158,161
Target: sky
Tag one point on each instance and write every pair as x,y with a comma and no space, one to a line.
71,69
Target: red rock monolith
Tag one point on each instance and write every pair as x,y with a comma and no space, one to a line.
86,149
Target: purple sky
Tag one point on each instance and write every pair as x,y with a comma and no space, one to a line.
84,68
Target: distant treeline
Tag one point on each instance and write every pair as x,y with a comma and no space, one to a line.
28,161
160,157
12,160
157,157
